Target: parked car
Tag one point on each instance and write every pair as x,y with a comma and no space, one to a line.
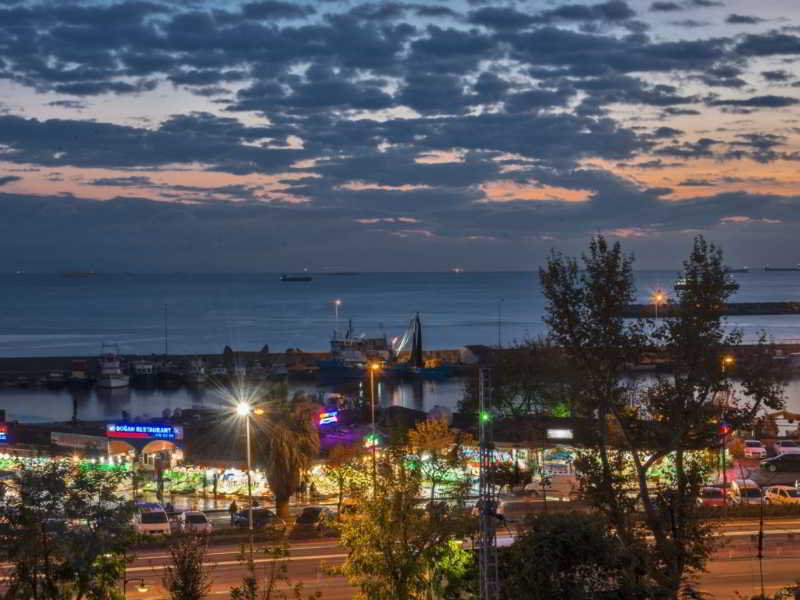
563,486
754,449
263,518
194,521
786,447
745,491
782,494
711,496
782,462
151,518
315,519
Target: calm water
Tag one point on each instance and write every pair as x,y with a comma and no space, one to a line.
43,405
50,315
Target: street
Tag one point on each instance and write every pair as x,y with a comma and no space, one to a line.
734,568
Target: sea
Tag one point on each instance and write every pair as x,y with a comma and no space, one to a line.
183,313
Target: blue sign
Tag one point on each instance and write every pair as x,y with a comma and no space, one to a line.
328,418
3,433
144,431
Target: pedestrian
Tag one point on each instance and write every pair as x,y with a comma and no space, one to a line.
233,509
303,489
312,490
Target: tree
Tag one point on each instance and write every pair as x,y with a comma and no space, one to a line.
397,548
66,532
342,468
287,440
577,557
273,583
187,578
674,416
441,452
528,377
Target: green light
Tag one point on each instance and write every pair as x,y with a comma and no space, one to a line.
485,416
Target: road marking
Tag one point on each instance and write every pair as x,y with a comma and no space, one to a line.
228,563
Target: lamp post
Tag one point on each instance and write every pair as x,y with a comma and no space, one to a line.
727,361
373,368
658,297
243,410
141,587
336,304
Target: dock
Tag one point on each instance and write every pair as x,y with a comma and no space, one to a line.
732,309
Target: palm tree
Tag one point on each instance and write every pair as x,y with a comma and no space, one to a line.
286,443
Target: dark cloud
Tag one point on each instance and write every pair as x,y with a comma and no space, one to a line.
665,6
501,17
768,101
778,75
735,19
8,179
769,44
613,10
70,104
267,9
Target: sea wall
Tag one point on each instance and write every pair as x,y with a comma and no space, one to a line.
732,309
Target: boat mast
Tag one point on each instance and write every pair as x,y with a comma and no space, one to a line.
166,342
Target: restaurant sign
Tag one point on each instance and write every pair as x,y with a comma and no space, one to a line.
144,431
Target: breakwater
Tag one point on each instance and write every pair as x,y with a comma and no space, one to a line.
732,309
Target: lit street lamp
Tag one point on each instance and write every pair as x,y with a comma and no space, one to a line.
336,304
658,297
727,362
140,587
243,410
373,368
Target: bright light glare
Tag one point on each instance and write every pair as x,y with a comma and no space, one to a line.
243,409
375,366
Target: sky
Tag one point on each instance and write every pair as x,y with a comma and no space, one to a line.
269,135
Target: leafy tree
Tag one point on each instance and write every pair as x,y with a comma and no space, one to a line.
441,452
273,582
397,548
529,377
187,578
286,441
672,417
577,557
66,532
343,469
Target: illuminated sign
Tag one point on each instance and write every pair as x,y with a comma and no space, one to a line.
559,434
371,440
77,440
3,433
327,418
144,431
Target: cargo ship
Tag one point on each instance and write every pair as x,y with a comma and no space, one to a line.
795,268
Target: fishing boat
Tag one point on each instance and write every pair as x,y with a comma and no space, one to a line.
143,373
795,268
416,365
195,373
350,355
79,374
111,373
289,278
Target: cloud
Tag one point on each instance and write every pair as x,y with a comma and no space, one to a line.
666,7
768,101
735,19
4,180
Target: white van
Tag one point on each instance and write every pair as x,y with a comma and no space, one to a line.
563,486
745,491
151,518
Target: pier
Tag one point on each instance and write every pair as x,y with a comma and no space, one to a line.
732,309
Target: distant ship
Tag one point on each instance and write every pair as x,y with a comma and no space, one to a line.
795,268
285,277
79,274
740,270
456,270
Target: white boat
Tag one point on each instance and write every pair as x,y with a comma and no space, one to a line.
196,372
111,374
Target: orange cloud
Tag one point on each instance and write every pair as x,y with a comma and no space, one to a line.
509,191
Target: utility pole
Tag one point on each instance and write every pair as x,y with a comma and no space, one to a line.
487,500
499,323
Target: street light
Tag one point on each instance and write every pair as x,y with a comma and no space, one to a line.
373,368
336,304
243,409
140,587
658,297
728,361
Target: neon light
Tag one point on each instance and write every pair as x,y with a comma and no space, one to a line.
371,440
559,434
329,417
3,434
144,431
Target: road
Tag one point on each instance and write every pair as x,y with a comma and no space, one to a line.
733,569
